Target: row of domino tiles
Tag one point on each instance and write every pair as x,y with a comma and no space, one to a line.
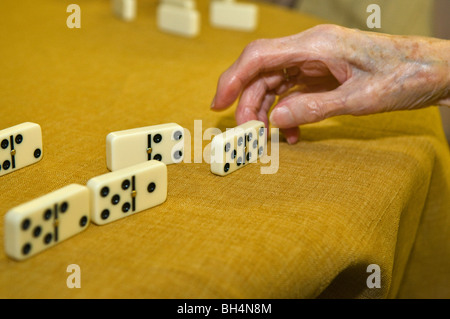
137,159
180,17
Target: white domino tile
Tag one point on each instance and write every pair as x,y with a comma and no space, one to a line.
233,15
39,224
21,145
178,17
237,147
125,9
127,191
187,4
163,142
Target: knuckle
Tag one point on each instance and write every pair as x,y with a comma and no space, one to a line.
255,49
325,38
255,45
327,28
315,111
222,77
327,33
223,80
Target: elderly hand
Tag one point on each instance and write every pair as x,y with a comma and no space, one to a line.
330,70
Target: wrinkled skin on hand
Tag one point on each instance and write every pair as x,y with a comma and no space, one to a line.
330,70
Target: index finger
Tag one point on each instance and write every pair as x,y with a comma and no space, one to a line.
258,57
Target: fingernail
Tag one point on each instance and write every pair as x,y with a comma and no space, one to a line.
281,116
291,140
213,103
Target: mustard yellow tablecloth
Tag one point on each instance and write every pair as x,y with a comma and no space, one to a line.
354,192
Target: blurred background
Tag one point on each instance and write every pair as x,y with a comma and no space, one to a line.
405,17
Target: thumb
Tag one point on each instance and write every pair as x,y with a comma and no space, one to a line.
303,108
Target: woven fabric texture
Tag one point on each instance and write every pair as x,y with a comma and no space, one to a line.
355,191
